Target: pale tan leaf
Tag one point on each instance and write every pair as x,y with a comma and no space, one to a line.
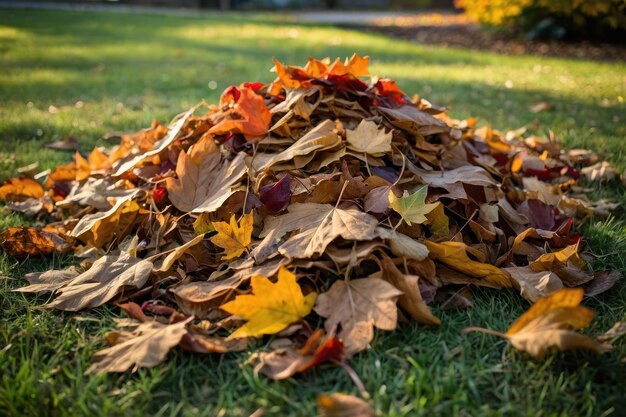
533,285
368,138
357,306
145,347
106,278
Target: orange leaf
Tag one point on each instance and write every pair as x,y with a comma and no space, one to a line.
19,189
20,242
248,115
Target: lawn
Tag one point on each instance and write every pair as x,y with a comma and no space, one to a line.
86,74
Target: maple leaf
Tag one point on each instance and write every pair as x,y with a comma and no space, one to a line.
412,207
233,238
357,306
549,323
247,113
144,347
271,307
368,138
203,180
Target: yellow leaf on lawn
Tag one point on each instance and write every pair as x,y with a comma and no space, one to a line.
233,238
271,307
19,189
550,322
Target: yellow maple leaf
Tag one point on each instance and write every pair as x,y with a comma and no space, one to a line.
233,238
271,307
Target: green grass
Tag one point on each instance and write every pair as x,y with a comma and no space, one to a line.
130,69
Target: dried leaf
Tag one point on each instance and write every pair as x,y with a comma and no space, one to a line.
367,138
107,277
271,307
20,242
534,285
204,181
144,347
19,189
356,306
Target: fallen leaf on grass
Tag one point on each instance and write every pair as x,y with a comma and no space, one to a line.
549,323
144,347
355,307
271,307
20,242
343,405
19,189
106,278
233,238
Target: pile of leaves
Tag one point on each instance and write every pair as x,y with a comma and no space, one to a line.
319,200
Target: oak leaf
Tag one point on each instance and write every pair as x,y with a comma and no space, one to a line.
412,207
357,306
271,307
234,238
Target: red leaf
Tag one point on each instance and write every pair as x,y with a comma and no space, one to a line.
275,197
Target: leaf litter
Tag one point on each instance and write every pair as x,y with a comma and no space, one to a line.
318,195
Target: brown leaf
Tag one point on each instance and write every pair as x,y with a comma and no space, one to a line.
411,300
204,180
48,281
20,242
144,347
106,278
357,306
534,285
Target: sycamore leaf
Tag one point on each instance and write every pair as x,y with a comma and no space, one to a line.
233,238
550,322
412,207
19,189
343,405
271,307
357,306
204,180
368,138
454,254
106,278
143,347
